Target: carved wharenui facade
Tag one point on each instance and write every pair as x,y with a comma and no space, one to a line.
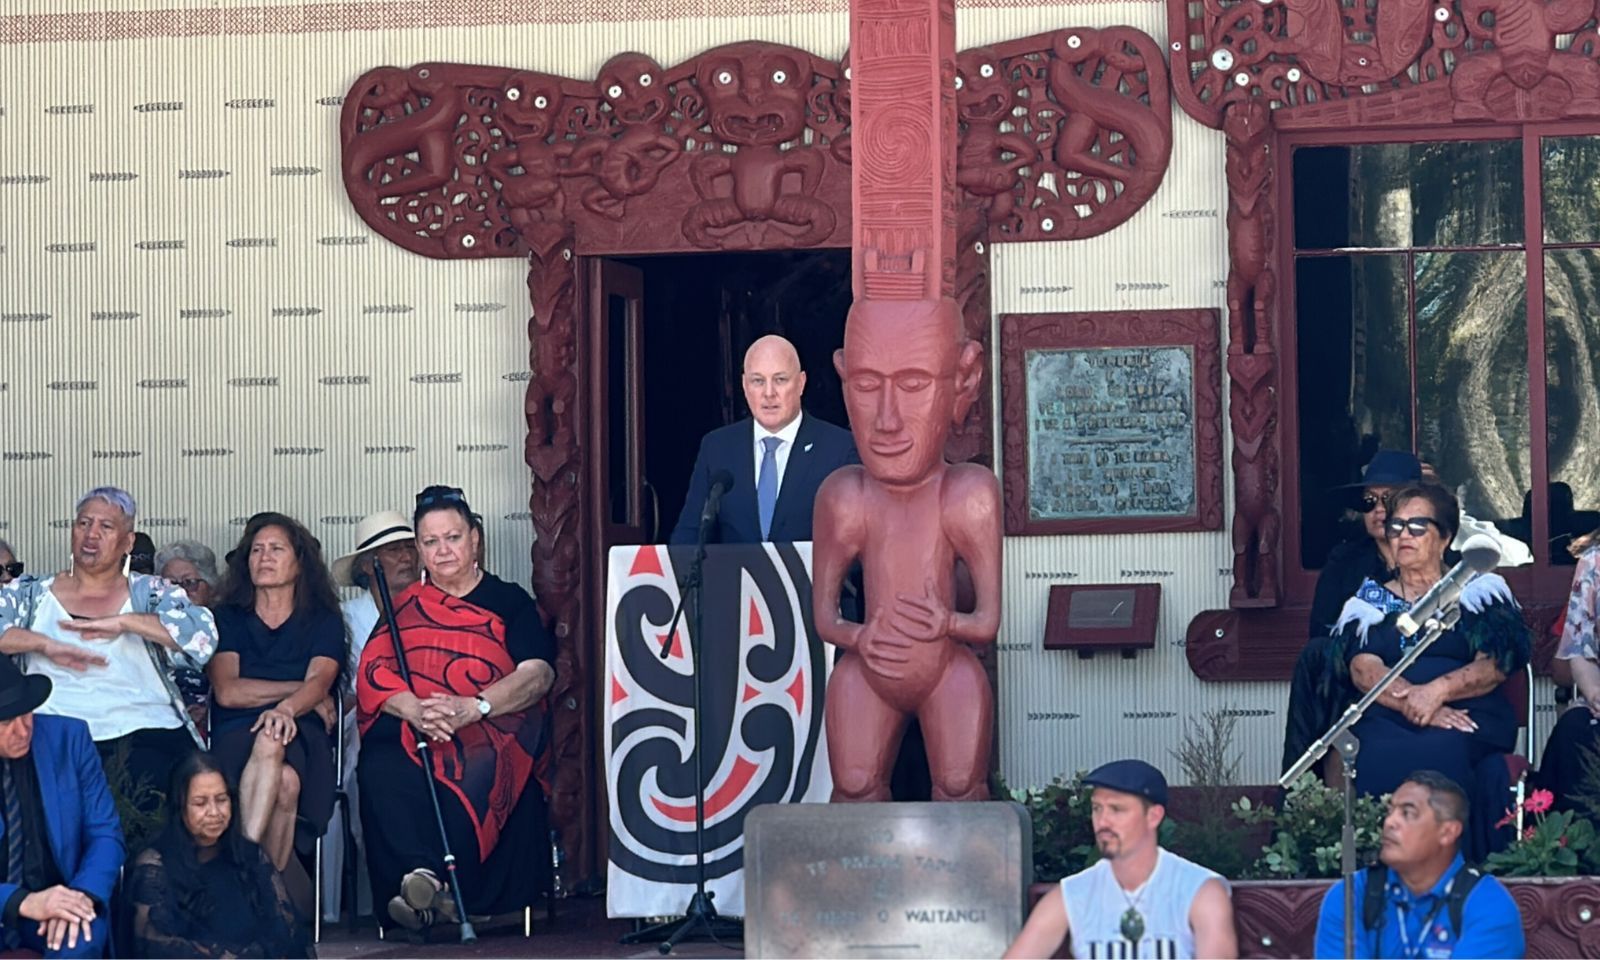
351,249
1062,136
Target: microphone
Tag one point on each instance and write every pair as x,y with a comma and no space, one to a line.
1480,554
721,483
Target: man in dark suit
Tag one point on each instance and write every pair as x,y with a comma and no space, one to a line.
62,845
777,458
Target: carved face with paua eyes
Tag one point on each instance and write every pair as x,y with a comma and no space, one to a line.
755,93
632,84
530,101
987,94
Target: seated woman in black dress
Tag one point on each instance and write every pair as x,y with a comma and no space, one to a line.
1447,712
280,646
481,663
202,889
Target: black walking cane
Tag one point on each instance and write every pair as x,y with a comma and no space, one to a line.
468,935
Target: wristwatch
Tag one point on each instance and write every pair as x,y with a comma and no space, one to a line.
483,708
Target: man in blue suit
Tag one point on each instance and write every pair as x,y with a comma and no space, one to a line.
777,458
61,847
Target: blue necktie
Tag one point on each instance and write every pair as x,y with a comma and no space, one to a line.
14,854
767,483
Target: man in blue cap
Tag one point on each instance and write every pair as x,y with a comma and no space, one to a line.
1138,900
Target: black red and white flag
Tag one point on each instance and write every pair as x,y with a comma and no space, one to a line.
763,672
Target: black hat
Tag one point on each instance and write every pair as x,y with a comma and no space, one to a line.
1391,468
20,693
1131,776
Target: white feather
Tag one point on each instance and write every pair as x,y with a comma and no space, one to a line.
1360,612
1485,589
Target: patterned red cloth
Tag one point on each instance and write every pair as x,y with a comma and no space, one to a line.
457,648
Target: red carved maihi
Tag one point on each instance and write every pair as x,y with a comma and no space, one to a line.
908,516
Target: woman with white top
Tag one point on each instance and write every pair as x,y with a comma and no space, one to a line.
107,639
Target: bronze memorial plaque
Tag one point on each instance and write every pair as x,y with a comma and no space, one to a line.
885,879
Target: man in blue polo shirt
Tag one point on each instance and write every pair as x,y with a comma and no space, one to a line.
1430,904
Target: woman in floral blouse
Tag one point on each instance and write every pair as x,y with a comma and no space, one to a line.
1561,769
108,638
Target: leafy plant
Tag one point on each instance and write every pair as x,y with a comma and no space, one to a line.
1554,845
1063,831
138,802
1306,831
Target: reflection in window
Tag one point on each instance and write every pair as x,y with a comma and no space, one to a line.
1572,370
1571,190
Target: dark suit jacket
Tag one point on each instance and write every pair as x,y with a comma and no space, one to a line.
80,817
819,449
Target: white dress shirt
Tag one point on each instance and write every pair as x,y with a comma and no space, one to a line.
787,435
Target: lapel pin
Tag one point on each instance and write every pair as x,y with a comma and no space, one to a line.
806,448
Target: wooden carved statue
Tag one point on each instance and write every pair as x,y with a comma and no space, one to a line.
908,516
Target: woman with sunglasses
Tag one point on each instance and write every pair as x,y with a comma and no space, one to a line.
481,663
1317,696
1448,708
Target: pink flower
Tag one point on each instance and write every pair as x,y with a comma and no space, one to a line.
1527,834
1562,841
1505,821
1539,801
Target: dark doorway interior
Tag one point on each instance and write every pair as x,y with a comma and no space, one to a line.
701,311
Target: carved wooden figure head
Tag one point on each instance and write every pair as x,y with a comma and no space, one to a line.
530,102
633,86
987,94
909,375
756,93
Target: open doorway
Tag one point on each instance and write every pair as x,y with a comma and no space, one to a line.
699,314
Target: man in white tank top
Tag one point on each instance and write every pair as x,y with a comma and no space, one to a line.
1139,902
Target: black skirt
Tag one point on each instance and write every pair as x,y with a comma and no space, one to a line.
401,834
310,753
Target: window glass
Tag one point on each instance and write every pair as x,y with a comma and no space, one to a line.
1354,350
1443,194
1472,378
1571,189
1572,394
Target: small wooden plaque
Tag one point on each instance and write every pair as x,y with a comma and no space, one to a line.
1087,617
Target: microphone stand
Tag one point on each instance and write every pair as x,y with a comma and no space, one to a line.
700,918
468,935
1341,738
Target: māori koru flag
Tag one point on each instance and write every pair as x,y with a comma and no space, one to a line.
763,675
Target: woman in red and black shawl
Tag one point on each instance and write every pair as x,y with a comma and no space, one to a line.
481,663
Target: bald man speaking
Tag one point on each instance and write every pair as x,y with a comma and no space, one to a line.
777,459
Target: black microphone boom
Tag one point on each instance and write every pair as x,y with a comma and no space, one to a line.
721,483
1480,554
468,935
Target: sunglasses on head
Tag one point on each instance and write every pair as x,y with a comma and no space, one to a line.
13,569
1416,526
435,495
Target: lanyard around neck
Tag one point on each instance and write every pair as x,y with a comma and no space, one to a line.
1412,953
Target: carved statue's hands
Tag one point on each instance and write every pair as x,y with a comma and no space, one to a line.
886,652
923,618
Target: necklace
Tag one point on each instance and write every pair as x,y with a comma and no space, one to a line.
1132,920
